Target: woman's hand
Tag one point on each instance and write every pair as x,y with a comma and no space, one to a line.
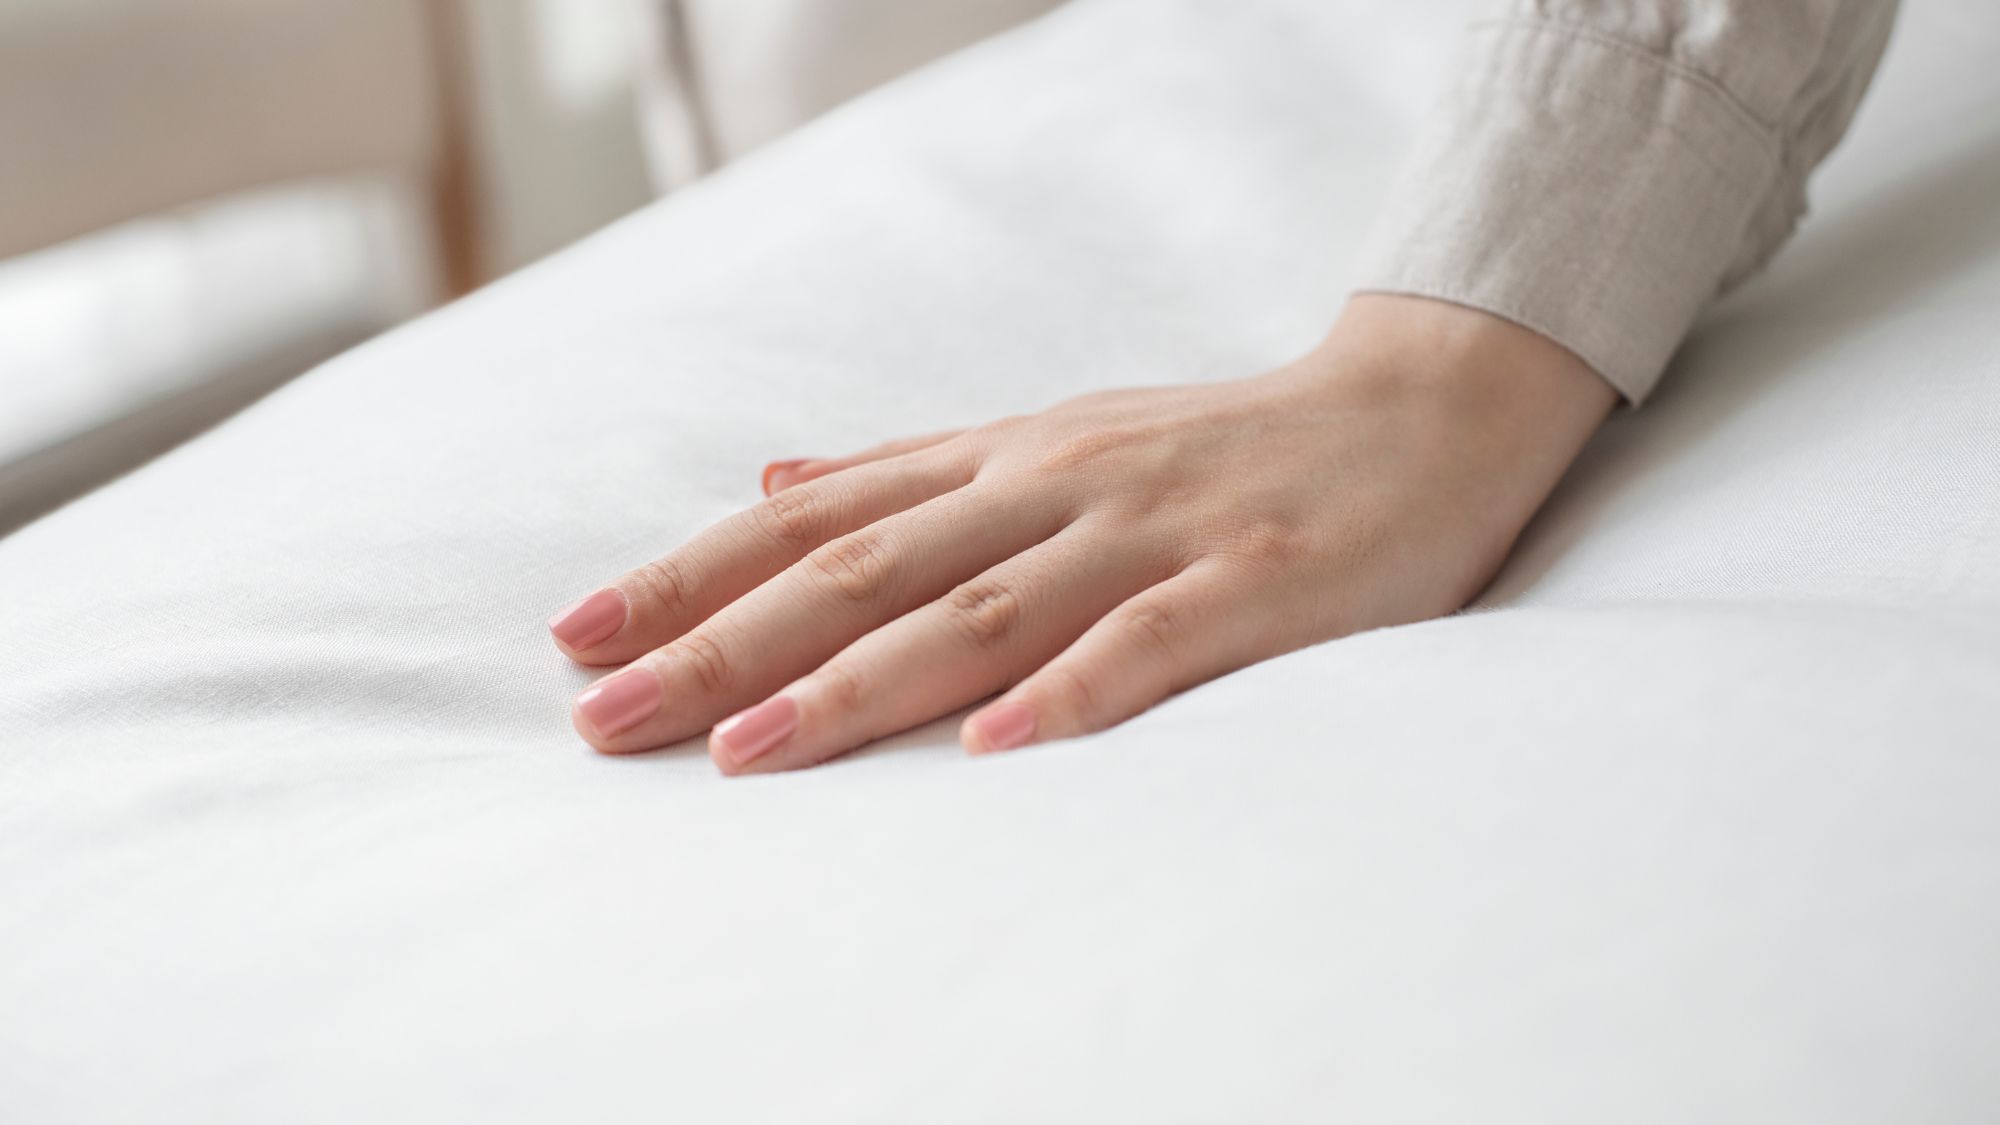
1090,560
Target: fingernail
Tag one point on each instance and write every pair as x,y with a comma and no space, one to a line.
1004,727
590,621
748,735
619,703
776,471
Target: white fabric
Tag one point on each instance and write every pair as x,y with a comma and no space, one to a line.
1695,821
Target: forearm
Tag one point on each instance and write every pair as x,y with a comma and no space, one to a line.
1601,171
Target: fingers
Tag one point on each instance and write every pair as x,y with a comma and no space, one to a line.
780,475
664,599
1191,628
789,625
985,634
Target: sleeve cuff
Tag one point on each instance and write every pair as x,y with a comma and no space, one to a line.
1581,187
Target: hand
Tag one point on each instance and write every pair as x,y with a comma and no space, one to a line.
1090,560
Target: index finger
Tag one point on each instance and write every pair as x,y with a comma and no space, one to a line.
654,604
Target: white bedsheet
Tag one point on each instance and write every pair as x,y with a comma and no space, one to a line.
1696,820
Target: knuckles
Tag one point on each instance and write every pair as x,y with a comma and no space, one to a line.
795,519
985,613
1076,693
665,586
1157,625
842,687
857,567
705,660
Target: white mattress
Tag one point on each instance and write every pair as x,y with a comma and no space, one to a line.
1695,819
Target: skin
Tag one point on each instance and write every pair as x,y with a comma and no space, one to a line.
1076,566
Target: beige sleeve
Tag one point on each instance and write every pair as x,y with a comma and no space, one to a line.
1602,169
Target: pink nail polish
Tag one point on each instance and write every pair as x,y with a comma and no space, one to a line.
1005,726
590,621
748,735
776,470
618,703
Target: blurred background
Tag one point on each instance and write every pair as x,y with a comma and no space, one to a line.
201,199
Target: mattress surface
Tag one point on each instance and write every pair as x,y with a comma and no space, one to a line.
1692,818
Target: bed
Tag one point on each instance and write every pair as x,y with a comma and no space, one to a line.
1692,817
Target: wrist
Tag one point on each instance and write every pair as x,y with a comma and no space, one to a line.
1479,398
1516,391
1467,356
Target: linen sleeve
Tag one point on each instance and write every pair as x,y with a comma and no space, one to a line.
1602,169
